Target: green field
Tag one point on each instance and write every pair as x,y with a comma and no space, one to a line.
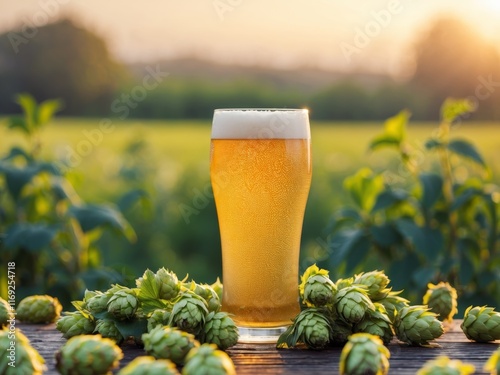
169,159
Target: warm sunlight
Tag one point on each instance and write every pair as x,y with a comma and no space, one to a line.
493,5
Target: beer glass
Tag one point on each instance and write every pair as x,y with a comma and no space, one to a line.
260,170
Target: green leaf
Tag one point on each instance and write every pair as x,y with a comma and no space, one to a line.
433,143
148,288
464,198
427,241
29,107
46,111
467,250
132,197
453,108
466,149
432,186
132,328
18,122
342,243
32,237
389,198
17,151
400,270
357,253
385,235
342,216
422,276
364,187
394,131
94,216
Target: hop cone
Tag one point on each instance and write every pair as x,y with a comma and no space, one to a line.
443,365
169,343
344,283
159,317
493,363
207,359
5,312
481,324
351,303
74,324
107,328
218,287
208,294
393,303
39,309
219,329
376,282
189,312
311,327
98,302
376,322
442,299
22,357
339,332
168,284
316,289
364,354
416,325
146,365
123,304
89,355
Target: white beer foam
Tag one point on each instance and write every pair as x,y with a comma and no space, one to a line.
261,124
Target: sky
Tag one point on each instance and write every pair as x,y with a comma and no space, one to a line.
349,35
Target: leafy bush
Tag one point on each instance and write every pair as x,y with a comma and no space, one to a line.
46,228
424,221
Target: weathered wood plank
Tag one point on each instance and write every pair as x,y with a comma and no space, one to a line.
265,359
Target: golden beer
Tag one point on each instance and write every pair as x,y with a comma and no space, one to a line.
260,187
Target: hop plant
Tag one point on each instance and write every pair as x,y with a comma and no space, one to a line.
219,329
442,299
20,358
310,327
169,343
207,359
98,302
88,354
416,325
39,309
481,324
376,283
316,289
159,317
5,312
443,365
364,354
493,363
393,303
147,365
123,304
352,302
75,323
168,284
376,322
189,312
107,328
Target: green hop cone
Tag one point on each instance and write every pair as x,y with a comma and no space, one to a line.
393,303
219,329
376,283
207,359
344,283
147,365
39,309
168,284
189,312
20,358
352,302
218,287
98,303
376,322
207,293
481,324
442,299
364,354
339,332
316,289
107,328
169,343
88,354
493,363
443,365
416,325
310,327
5,312
75,323
159,317
123,304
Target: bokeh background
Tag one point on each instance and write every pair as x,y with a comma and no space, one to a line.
138,83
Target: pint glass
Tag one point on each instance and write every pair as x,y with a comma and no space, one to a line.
260,170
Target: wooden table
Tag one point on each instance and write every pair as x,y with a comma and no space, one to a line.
265,359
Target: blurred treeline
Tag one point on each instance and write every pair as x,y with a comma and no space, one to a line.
64,60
